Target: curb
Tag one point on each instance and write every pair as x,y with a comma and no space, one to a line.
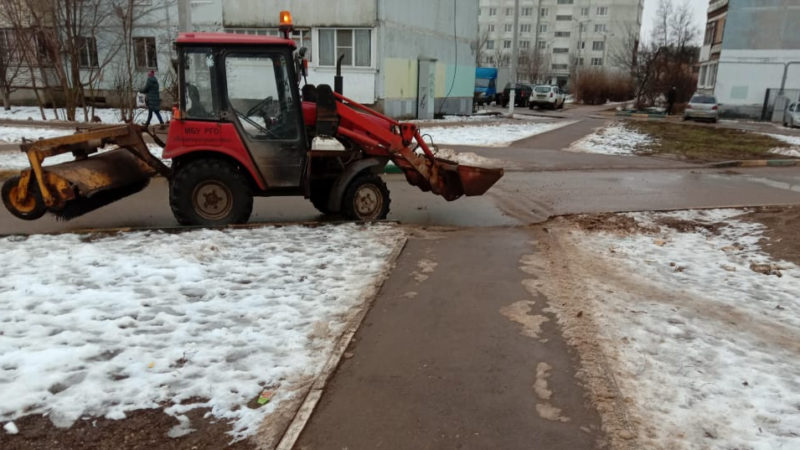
641,115
757,163
303,413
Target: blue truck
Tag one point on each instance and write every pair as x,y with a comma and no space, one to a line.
485,85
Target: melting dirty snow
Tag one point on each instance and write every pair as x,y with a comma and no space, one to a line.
106,115
13,135
209,317
794,141
492,135
615,139
706,346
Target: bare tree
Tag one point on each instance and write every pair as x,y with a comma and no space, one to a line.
480,46
534,64
10,57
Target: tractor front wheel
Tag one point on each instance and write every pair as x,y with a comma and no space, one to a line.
366,198
31,207
210,192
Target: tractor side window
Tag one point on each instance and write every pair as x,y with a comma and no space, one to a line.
260,93
198,86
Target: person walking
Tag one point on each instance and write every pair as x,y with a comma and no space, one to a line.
671,95
153,98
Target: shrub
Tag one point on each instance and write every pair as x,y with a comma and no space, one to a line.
596,86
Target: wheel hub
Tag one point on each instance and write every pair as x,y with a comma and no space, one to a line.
212,200
368,201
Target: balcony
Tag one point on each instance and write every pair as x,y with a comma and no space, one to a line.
715,5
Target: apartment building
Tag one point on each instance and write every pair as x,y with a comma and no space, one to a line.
750,59
559,37
409,59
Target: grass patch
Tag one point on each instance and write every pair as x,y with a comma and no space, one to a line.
699,143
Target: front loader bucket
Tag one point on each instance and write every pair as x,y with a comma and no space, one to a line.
448,178
477,180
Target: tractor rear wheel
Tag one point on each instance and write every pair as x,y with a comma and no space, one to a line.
366,198
31,207
210,192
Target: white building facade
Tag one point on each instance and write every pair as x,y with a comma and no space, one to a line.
567,34
750,59
409,59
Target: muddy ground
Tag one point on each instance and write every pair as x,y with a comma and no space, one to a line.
147,429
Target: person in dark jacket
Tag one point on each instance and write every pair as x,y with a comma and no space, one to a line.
672,94
152,99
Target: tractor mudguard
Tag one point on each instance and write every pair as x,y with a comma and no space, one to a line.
374,164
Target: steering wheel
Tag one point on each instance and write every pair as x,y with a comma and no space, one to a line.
259,107
258,126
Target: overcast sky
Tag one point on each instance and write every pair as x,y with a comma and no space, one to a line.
699,8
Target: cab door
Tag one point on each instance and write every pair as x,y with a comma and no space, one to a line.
262,101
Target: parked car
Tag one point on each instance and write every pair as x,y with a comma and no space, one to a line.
702,107
521,95
547,96
791,118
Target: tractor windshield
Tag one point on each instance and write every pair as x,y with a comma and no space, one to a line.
259,91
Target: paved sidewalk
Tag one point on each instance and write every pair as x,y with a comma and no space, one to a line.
439,364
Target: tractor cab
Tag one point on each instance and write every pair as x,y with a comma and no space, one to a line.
239,97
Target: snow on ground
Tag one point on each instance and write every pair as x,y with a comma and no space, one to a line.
17,160
106,115
794,141
494,135
708,346
468,158
13,135
615,139
207,317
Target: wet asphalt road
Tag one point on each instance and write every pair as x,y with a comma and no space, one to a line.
437,364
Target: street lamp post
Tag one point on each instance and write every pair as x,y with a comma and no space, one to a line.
514,58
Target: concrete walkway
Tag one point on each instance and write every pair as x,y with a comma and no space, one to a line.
441,360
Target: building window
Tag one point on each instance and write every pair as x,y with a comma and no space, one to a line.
583,27
301,37
508,28
492,11
543,28
584,11
581,45
597,61
560,67
602,10
525,28
525,44
598,45
541,45
560,50
489,45
87,49
564,17
354,44
580,61
527,11
562,33
565,2
491,28
144,52
509,11
600,28
506,44
543,12
702,78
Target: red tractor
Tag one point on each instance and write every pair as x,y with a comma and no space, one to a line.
242,128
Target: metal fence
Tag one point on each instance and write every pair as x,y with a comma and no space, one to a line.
775,103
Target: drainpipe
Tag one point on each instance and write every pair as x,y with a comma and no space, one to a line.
514,58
